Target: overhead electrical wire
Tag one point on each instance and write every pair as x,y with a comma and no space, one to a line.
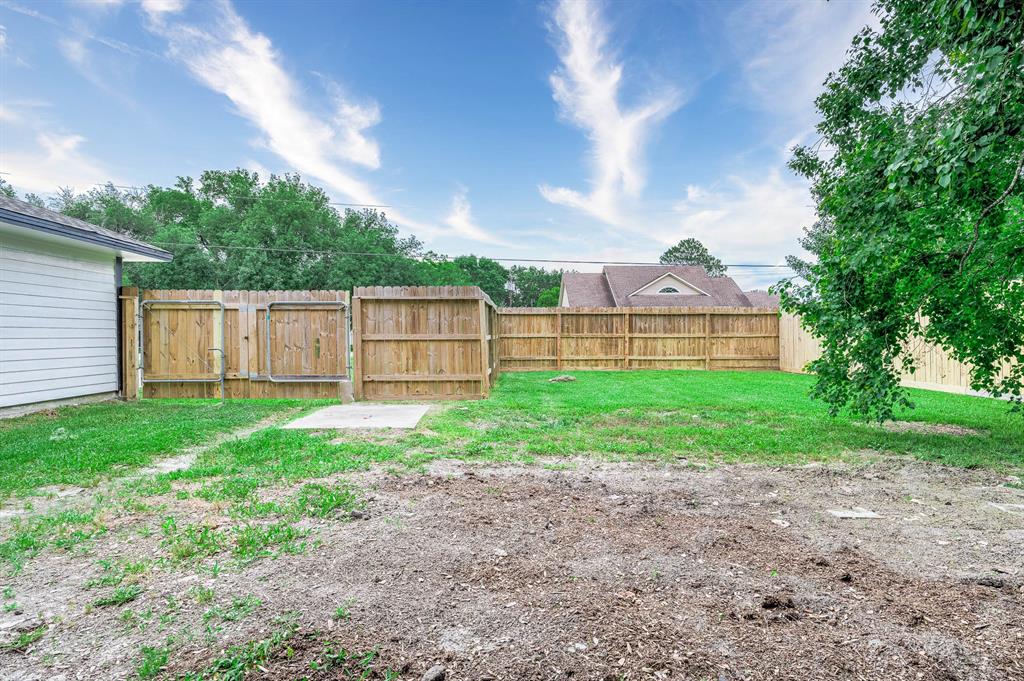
441,257
398,255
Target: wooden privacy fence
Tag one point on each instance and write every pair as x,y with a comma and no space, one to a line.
423,342
936,369
188,343
539,339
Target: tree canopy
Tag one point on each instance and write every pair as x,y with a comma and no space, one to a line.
549,298
229,230
693,252
920,203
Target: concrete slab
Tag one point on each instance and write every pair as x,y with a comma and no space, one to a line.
362,415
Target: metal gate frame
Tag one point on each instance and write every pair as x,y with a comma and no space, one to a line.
343,342
142,344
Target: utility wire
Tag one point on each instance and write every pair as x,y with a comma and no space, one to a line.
441,257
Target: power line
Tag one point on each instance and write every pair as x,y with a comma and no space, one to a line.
440,257
245,196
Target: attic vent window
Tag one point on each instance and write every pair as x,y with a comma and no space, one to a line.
668,289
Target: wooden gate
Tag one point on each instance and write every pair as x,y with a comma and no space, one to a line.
188,343
424,343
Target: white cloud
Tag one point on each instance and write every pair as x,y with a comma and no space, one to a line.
746,221
229,58
789,47
460,221
74,50
158,7
587,89
3,39
55,160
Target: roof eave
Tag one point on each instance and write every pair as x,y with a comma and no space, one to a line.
148,253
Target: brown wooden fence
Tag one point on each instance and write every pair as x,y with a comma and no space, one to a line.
935,368
189,343
538,339
425,342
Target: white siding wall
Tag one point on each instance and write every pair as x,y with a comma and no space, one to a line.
58,321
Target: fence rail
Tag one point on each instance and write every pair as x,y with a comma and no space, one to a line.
423,342
610,338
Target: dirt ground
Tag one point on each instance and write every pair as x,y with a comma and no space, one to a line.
591,570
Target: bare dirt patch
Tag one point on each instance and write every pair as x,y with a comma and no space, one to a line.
928,428
602,571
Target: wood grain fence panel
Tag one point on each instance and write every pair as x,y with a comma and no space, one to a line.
179,342
426,342
936,368
536,339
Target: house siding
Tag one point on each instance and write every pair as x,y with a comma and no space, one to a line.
58,321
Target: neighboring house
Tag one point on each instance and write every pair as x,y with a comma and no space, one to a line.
657,286
58,304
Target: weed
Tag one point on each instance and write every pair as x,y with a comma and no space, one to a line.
24,639
343,611
202,594
240,608
154,661
121,595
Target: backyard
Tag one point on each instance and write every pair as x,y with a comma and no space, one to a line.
622,525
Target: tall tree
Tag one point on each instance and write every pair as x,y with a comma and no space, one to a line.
526,284
488,274
693,252
230,230
920,203
549,297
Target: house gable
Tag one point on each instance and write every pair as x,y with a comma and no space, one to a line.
668,284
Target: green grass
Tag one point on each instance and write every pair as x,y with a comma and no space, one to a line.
24,639
721,416
119,596
154,661
650,415
80,445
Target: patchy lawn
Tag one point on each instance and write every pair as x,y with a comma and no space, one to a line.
556,529
80,445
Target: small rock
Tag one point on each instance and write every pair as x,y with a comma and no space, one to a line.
856,513
562,379
358,515
435,673
501,553
989,581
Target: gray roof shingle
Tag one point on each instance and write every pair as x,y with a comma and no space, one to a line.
27,215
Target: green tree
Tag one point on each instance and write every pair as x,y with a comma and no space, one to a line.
526,284
693,252
549,298
920,203
230,230
488,274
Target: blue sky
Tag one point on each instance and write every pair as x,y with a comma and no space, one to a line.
576,130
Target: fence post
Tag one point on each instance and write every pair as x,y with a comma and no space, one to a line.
558,341
485,355
707,341
625,342
357,347
129,299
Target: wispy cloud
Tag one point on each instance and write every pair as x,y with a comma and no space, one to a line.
3,39
787,48
228,57
587,88
50,160
461,223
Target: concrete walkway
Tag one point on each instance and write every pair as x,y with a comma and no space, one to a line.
362,415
